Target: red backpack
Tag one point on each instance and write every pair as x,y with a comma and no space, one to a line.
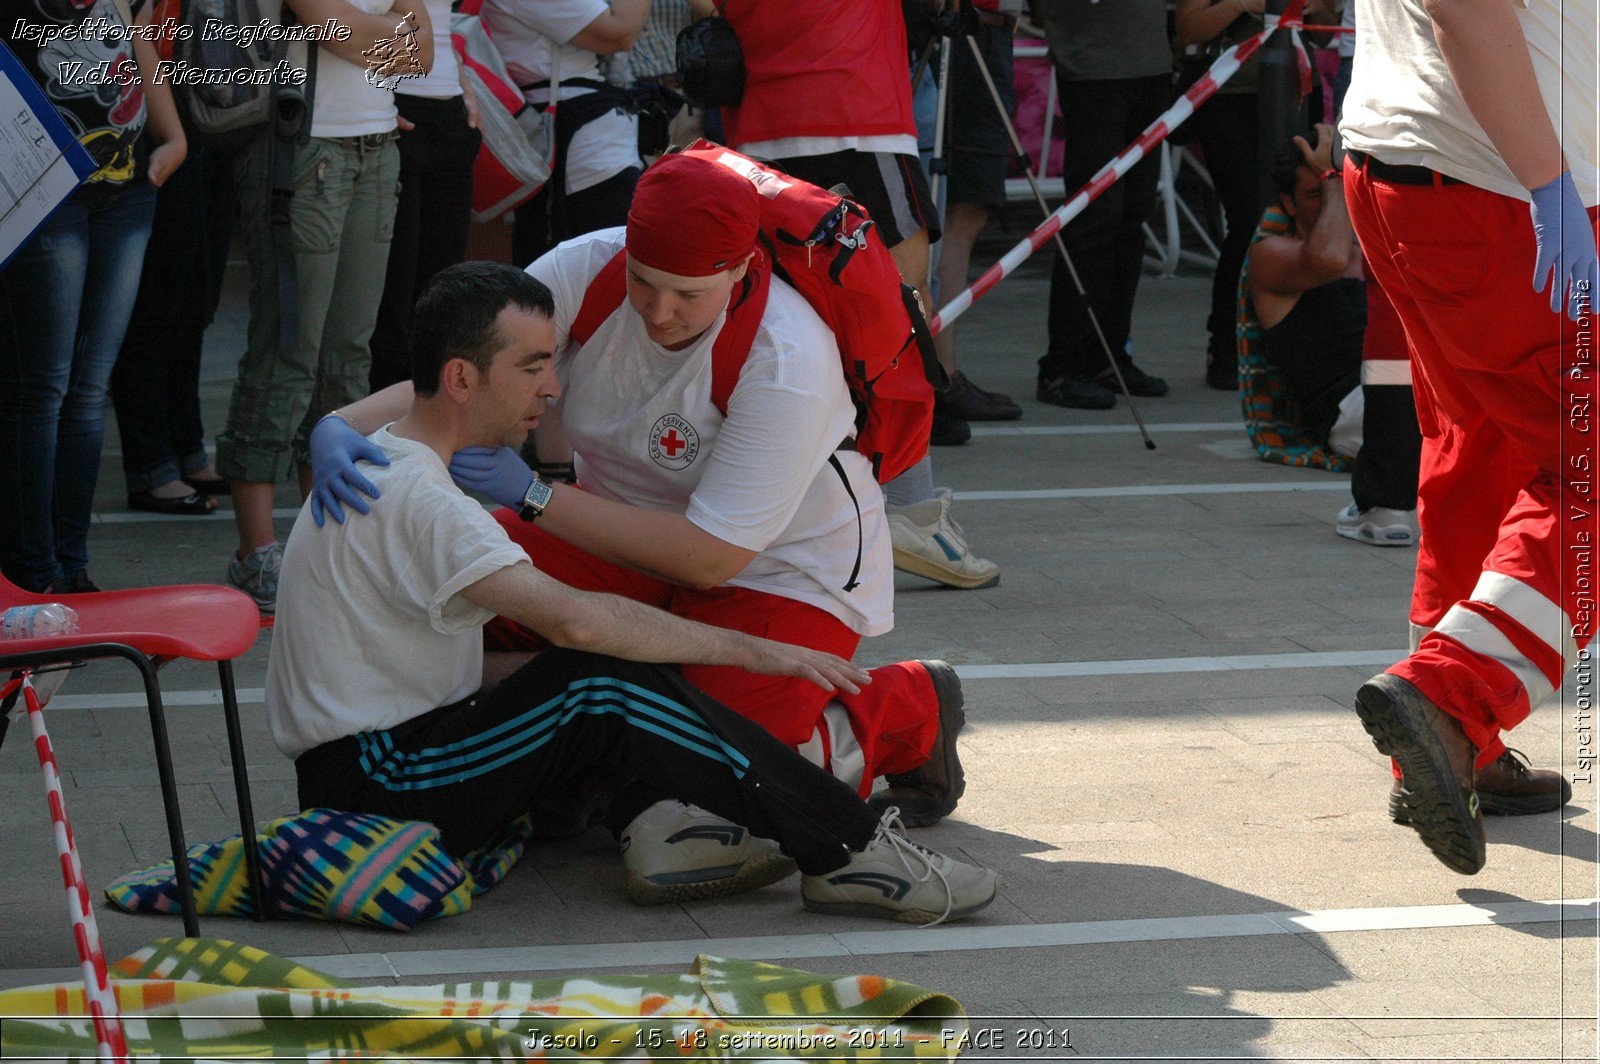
822,244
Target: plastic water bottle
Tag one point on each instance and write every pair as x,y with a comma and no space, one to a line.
38,622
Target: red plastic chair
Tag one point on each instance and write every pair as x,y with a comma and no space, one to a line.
148,627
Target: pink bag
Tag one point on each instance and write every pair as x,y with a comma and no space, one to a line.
1033,79
518,141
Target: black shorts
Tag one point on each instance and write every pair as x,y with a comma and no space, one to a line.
889,186
978,146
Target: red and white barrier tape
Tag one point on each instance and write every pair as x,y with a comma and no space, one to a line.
99,997
1225,67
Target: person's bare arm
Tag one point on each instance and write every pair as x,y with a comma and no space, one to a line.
702,8
613,30
365,30
1198,21
609,624
172,147
1484,47
1286,266
658,543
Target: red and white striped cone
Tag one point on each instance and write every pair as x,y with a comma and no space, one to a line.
99,997
1225,67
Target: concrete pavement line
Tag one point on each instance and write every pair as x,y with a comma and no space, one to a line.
1034,670
1105,430
1143,490
1037,670
956,939
139,517
1152,666
128,517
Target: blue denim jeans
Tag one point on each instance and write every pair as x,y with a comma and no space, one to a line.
64,305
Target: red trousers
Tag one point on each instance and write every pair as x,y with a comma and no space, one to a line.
889,727
1505,392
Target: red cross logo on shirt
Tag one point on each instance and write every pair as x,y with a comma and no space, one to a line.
673,442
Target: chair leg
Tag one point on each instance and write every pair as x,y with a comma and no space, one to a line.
241,793
169,794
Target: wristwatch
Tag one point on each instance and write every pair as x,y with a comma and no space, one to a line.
536,499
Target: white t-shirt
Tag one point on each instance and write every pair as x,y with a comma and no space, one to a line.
796,147
345,104
645,432
442,81
1404,108
371,630
528,34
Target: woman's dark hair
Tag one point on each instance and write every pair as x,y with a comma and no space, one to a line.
456,316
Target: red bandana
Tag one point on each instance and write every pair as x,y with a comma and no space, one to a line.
692,217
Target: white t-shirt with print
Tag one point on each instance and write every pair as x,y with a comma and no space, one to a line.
345,103
645,432
1404,108
528,34
371,630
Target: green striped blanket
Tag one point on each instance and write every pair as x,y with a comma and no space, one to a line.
208,999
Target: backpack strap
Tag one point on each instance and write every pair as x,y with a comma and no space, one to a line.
602,298
738,335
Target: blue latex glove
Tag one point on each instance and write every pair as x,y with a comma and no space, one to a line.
498,472
1566,247
335,450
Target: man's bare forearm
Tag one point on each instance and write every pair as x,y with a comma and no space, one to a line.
606,624
1484,47
1332,240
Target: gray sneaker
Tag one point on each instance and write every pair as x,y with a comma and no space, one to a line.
256,574
895,879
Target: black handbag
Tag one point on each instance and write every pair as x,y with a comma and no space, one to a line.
710,64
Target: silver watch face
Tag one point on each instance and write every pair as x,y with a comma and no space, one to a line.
538,496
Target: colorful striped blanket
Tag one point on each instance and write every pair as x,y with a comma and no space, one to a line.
1271,415
323,864
206,998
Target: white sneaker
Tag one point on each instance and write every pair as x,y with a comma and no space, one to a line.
928,543
675,852
1377,526
895,879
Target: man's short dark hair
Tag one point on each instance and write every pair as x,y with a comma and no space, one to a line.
1286,169
455,317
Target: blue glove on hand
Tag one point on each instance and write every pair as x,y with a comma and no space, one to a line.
1566,247
335,450
498,472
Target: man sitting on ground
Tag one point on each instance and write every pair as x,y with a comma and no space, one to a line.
1334,338
1310,297
376,681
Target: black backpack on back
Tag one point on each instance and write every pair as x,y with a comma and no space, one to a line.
710,64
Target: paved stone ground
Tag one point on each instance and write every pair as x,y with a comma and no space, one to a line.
1196,857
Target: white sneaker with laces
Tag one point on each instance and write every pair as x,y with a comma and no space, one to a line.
676,852
928,543
1376,526
895,879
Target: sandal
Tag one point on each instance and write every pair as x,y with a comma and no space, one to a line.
191,505
210,485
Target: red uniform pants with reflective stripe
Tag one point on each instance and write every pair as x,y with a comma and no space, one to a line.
891,724
1501,572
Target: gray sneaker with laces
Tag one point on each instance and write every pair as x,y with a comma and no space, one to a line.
895,879
256,574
